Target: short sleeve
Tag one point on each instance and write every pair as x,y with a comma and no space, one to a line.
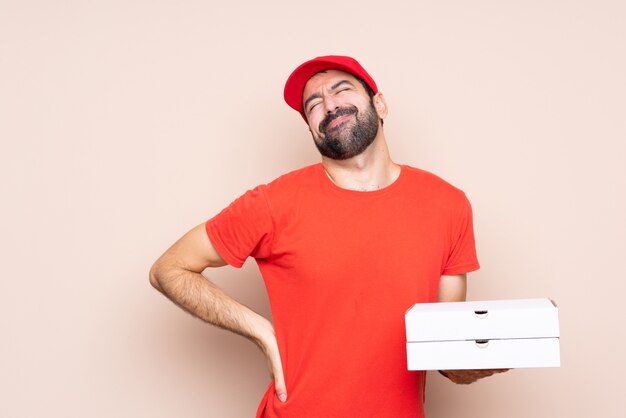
243,229
462,256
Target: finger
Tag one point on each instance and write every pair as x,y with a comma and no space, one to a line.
279,379
494,371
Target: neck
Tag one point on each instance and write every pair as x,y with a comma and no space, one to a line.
371,170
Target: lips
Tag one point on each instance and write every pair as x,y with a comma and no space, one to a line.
334,120
337,121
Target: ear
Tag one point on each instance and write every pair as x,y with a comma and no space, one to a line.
381,105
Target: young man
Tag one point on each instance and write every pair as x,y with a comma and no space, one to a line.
345,247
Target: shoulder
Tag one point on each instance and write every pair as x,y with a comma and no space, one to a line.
288,181
291,188
284,185
295,178
293,182
431,184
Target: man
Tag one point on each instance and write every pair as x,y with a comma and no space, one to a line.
345,247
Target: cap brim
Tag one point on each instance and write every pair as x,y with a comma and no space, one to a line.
294,86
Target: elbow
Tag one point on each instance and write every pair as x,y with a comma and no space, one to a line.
153,277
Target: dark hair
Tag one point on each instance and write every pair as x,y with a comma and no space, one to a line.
370,93
366,86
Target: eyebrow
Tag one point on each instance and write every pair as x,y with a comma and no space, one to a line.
333,87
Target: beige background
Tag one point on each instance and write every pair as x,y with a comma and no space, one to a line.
125,123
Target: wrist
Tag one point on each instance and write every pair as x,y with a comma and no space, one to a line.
263,333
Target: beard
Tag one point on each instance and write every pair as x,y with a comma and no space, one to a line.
342,142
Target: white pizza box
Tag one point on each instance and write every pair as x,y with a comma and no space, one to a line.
494,334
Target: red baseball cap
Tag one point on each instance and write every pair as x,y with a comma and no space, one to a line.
299,77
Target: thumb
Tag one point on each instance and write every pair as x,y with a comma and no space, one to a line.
279,380
272,355
282,396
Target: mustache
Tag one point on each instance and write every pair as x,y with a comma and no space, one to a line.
351,110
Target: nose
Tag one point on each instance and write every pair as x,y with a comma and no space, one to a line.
330,105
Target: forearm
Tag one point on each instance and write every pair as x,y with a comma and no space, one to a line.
177,274
197,295
453,289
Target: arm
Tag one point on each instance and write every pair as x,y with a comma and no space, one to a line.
177,274
454,289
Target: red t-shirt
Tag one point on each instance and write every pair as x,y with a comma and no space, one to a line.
341,267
